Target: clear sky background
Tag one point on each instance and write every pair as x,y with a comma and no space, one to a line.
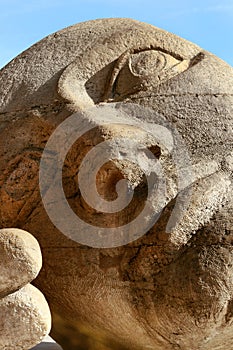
208,23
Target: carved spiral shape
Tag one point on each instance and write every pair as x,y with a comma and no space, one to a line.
132,154
166,177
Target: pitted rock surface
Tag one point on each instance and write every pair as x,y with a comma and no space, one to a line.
165,290
24,313
20,259
25,319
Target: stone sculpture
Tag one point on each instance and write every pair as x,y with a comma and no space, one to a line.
170,287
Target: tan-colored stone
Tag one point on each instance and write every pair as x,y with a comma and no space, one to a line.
24,319
20,259
166,290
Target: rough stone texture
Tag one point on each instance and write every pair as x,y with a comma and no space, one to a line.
24,313
20,259
163,291
25,319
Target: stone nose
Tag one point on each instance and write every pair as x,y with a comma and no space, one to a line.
121,158
113,155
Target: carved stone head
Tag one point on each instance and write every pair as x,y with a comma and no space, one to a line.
162,107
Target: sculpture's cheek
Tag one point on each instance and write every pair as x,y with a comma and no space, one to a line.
19,193
21,181
21,146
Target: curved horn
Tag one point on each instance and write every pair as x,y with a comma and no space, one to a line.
71,84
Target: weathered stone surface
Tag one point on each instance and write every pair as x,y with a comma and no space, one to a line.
25,319
20,259
24,313
166,290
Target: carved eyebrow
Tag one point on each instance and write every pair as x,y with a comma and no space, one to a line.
156,48
122,60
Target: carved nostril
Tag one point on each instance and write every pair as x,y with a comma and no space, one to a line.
106,180
156,150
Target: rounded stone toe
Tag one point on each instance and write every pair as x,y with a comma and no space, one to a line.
20,259
24,319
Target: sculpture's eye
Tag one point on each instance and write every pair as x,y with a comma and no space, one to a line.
142,70
150,62
96,76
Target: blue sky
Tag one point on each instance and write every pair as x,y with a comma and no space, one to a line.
208,23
